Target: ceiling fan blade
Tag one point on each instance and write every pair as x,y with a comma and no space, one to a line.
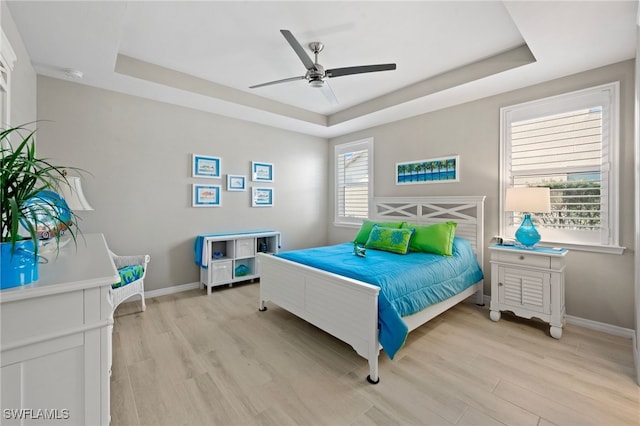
328,93
284,80
338,72
306,60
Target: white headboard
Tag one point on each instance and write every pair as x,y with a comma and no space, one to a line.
466,211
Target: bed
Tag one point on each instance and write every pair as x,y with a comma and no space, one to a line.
348,308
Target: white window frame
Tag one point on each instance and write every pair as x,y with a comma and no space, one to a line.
7,60
363,144
608,95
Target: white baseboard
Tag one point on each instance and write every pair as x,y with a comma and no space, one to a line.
170,290
636,357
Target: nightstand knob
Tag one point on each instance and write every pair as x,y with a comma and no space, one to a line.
521,257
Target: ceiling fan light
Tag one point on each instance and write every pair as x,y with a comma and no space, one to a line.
316,82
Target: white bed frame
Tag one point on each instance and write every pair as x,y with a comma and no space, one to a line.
348,308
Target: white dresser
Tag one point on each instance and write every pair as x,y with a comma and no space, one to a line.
55,346
529,283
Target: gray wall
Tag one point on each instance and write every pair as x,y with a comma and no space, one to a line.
599,287
139,155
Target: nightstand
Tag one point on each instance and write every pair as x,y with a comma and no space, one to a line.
529,283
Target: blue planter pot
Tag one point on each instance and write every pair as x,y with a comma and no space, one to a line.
19,267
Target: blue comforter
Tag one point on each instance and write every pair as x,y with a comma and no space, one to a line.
408,283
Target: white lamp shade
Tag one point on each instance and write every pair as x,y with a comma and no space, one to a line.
73,194
528,200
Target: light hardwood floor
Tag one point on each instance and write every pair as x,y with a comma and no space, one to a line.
193,359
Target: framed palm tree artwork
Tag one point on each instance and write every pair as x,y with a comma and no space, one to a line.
433,170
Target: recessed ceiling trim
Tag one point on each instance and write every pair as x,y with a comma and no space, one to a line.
136,68
493,65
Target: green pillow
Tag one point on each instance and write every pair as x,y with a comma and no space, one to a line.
436,238
389,239
367,225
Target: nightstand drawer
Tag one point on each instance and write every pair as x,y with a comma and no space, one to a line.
524,259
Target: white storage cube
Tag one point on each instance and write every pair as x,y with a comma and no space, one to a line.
245,247
221,271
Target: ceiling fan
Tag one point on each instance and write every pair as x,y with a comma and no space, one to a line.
316,74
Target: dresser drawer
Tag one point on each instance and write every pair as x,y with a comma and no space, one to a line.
524,259
30,319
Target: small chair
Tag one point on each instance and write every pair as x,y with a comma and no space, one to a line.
132,270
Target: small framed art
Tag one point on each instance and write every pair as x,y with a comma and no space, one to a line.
205,167
236,183
206,195
433,170
261,172
261,197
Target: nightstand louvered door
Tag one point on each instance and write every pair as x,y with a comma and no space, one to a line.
521,288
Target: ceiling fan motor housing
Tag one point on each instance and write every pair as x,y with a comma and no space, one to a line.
315,77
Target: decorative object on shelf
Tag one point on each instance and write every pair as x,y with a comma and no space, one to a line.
262,197
30,205
206,195
242,270
236,183
206,167
261,172
527,200
434,170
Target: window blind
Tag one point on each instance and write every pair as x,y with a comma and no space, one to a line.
564,152
353,163
353,184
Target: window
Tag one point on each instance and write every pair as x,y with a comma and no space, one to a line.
354,181
568,143
7,58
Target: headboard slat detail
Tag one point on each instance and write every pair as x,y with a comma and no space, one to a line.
466,211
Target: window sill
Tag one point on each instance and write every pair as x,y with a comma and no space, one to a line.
347,224
586,247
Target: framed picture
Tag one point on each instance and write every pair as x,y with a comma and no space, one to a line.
236,183
433,170
206,195
206,167
261,197
261,172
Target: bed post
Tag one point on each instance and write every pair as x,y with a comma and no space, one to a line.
374,344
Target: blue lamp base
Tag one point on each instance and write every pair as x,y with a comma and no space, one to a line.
527,234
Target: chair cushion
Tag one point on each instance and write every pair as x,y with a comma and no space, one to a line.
129,274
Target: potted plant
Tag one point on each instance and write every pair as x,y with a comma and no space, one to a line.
30,206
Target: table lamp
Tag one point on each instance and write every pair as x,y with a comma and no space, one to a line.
527,200
73,194
76,201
